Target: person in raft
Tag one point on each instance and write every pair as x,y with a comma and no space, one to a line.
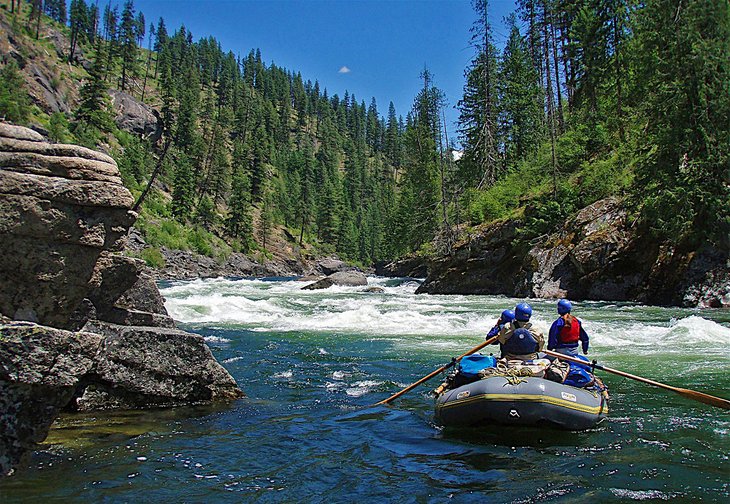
521,339
567,331
506,317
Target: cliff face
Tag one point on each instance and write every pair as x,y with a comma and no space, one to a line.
597,255
95,332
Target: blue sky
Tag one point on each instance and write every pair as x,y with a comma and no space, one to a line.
372,48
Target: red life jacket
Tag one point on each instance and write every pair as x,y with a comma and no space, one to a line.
570,333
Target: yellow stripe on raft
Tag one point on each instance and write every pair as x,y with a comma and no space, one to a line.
594,410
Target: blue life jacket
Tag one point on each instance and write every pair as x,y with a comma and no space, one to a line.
520,343
470,365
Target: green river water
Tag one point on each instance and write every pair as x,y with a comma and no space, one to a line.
313,362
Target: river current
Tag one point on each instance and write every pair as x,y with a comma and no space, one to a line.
313,362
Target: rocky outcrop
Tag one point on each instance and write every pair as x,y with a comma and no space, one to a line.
414,267
61,206
186,265
40,368
596,255
64,215
343,278
487,263
134,116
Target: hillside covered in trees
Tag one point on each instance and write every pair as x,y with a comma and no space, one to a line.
587,99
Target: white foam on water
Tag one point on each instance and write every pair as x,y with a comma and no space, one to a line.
284,374
362,387
232,359
216,339
435,322
692,333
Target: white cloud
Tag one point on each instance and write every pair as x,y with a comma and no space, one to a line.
344,70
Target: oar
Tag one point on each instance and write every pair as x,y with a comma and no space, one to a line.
439,370
689,394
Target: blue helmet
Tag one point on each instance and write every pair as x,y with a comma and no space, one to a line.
523,312
564,307
507,316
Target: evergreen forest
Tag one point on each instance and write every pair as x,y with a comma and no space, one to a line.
586,99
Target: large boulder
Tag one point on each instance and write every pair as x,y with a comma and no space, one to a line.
134,116
344,278
142,367
45,370
40,369
61,206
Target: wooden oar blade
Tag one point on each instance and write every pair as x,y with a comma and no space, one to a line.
705,398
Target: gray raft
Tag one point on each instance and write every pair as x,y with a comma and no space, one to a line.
522,401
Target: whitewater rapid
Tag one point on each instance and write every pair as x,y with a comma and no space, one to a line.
435,321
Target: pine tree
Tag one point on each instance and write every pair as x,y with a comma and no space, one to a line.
478,107
93,106
14,102
128,44
78,22
183,188
266,220
682,88
239,223
520,98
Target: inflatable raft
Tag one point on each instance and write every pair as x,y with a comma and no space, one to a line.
520,401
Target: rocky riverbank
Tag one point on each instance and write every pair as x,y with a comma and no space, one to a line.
83,327
597,255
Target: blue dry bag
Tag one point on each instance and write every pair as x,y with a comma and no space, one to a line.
470,365
579,374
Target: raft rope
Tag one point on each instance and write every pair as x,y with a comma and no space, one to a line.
513,375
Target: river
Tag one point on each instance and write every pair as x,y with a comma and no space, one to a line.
312,363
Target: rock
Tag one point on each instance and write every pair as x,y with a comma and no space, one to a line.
61,206
134,116
186,265
45,93
325,283
64,215
44,370
135,241
414,267
344,278
488,263
598,255
141,367
331,265
39,371
376,290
